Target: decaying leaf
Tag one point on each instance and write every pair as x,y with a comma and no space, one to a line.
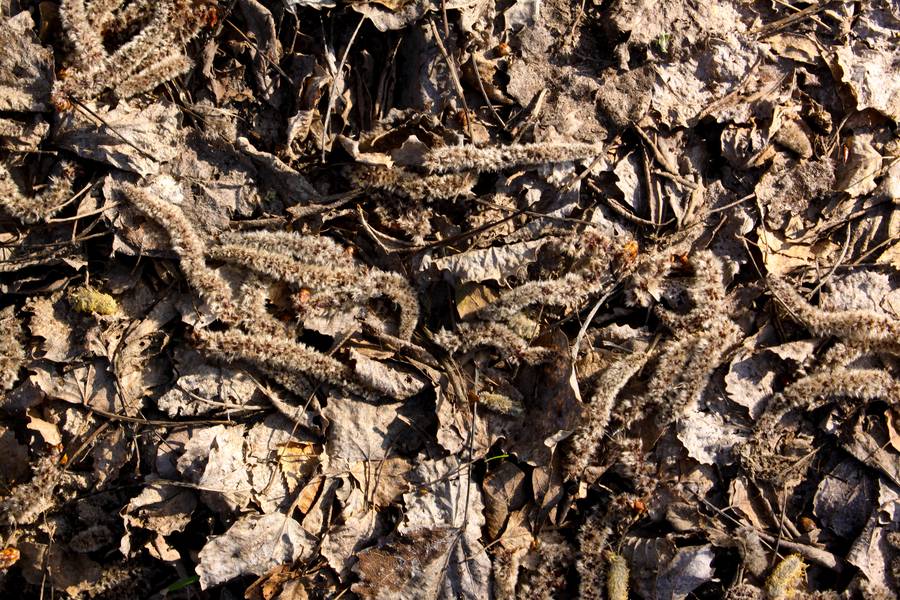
128,138
26,69
253,545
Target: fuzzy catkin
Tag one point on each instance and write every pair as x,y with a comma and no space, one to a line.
359,283
40,207
584,443
564,292
283,354
412,185
859,384
396,288
82,34
504,340
12,354
149,58
860,327
189,247
454,159
686,366
313,250
285,268
592,565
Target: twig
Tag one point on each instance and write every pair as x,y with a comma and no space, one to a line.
453,75
338,78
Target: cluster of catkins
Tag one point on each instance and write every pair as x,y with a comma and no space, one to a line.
154,33
313,266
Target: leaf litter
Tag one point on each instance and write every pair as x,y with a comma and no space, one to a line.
468,299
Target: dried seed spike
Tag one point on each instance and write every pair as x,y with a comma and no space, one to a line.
412,185
12,354
504,340
860,327
189,247
150,57
583,445
313,250
785,577
859,384
617,577
565,292
686,366
82,34
454,159
273,352
395,287
42,206
285,268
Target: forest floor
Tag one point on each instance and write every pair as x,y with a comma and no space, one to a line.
449,299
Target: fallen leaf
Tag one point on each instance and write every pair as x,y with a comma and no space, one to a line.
253,545
844,499
133,139
26,67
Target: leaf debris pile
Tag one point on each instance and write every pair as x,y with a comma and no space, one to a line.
479,299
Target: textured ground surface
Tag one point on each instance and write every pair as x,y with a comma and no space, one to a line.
461,299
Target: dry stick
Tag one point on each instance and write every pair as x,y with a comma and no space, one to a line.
484,93
732,204
453,75
816,555
622,211
834,267
587,321
332,95
812,18
82,106
774,26
732,94
571,34
259,51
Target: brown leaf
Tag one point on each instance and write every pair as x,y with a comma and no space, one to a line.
26,67
133,139
253,545
504,490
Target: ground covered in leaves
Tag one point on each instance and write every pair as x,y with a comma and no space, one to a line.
457,299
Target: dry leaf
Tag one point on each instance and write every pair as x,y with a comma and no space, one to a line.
253,545
128,138
26,67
